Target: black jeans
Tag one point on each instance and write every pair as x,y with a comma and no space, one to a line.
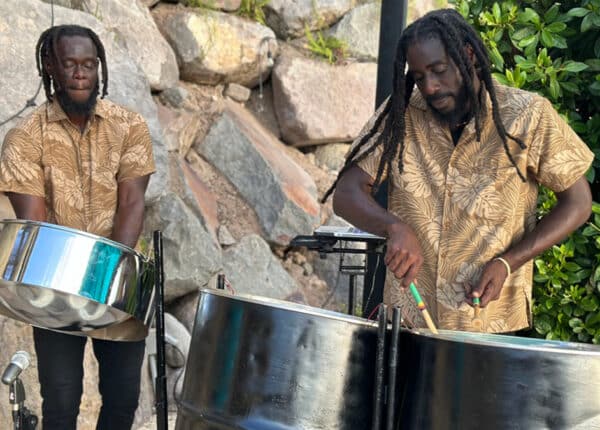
60,371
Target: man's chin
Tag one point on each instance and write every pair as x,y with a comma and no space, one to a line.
71,106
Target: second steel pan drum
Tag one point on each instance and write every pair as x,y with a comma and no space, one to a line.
74,282
263,364
459,380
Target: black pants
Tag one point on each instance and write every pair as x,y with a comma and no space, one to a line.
60,371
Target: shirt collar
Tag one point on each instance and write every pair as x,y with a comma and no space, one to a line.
56,112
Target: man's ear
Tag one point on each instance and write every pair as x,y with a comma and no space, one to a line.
471,55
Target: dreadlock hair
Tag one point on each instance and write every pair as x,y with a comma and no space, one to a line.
455,33
46,48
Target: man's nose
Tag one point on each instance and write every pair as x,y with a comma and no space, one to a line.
430,86
79,72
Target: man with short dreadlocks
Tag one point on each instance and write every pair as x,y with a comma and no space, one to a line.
80,162
463,156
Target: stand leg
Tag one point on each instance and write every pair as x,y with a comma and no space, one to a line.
351,293
161,377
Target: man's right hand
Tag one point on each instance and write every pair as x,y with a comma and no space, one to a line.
403,256
353,201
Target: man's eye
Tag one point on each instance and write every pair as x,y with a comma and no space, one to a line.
440,68
90,65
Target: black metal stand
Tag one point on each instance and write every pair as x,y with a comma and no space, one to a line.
23,419
327,245
162,422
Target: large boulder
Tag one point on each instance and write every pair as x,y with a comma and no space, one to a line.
251,268
290,18
313,102
191,254
281,193
214,47
359,29
133,24
21,23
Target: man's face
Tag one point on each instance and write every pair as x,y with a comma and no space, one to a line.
438,79
75,74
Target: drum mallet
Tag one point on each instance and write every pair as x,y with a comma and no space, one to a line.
421,305
477,322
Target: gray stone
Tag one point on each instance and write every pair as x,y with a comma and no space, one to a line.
184,309
280,192
359,29
331,156
224,5
300,84
215,47
225,237
237,92
289,18
251,268
132,23
174,96
180,128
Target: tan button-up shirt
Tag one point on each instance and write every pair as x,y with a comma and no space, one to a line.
77,173
467,204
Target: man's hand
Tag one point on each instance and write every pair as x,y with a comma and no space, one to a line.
490,283
403,256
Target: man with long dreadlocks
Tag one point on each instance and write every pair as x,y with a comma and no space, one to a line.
84,163
463,156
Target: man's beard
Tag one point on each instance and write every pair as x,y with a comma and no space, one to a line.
70,106
462,110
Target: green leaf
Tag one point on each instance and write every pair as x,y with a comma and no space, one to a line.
594,64
587,23
554,88
574,66
529,40
556,27
551,13
570,87
529,15
578,12
523,33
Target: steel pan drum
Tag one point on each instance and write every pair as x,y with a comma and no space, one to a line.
74,282
460,380
263,364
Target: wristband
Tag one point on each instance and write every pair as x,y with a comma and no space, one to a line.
503,261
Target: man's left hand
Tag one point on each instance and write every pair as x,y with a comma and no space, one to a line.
490,283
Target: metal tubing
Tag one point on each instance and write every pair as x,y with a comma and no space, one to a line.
161,377
379,396
392,367
351,293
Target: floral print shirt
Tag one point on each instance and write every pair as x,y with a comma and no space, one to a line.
77,173
467,204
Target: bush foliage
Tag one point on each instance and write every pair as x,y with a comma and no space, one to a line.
553,49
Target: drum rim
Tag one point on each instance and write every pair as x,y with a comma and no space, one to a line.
562,347
78,232
288,306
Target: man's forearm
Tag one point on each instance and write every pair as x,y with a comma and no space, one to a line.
572,210
128,224
353,202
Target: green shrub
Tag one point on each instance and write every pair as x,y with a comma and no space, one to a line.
553,48
328,47
254,9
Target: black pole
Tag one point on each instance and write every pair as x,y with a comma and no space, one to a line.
379,394
392,370
351,293
162,422
392,23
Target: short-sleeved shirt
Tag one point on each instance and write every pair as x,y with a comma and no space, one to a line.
467,204
77,173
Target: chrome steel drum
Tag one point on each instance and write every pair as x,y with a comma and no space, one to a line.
263,364
460,380
74,282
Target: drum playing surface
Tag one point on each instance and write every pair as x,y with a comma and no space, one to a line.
65,280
